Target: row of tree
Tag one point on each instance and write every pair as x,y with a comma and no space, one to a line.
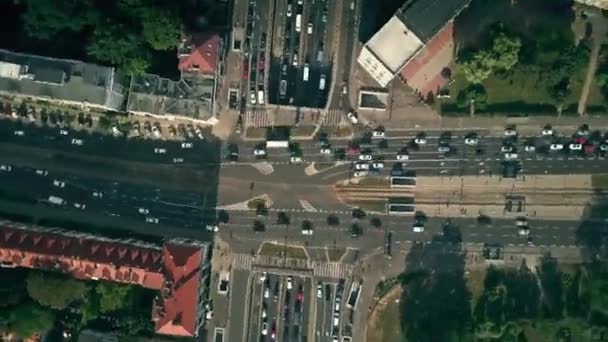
36,300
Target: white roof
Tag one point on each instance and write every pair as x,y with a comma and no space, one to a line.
394,44
10,70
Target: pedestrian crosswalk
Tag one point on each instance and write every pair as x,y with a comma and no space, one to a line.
258,118
335,118
335,270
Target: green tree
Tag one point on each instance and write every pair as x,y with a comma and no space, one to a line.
112,296
501,55
45,19
560,91
474,92
30,318
117,46
55,290
161,28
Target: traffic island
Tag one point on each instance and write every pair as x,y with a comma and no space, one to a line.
282,251
384,321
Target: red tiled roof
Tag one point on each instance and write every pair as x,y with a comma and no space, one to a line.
183,272
421,65
203,54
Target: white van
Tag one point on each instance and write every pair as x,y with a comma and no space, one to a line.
306,72
260,96
298,22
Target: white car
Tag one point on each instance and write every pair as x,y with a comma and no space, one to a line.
377,133
266,292
402,156
152,220
530,148
295,160
361,166
58,183
80,206
420,141
360,174
307,231
20,133
309,29
521,222
178,160
63,132
289,283
575,147
556,147
378,165
546,131
98,194
160,150
213,228
337,305
336,319
319,291
259,152
143,211
471,141
524,231
443,149
263,276
352,117
6,168
289,12
42,172
604,147
365,157
418,229
510,156
264,313
326,151
252,98
506,149
264,328
186,145
582,132
295,60
78,142
510,132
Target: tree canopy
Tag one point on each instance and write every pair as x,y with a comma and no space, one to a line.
30,318
55,290
501,55
112,296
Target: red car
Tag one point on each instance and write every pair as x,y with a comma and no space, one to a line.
245,68
580,140
300,297
273,331
589,148
353,150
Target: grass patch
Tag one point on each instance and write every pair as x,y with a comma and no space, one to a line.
384,322
374,181
474,280
548,331
340,132
335,253
271,249
323,166
599,181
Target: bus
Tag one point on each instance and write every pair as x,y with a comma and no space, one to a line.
298,22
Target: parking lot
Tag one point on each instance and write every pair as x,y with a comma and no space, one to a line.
287,57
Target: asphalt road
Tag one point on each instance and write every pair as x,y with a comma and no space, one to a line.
238,301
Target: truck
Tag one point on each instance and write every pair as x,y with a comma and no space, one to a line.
353,297
298,22
322,82
56,200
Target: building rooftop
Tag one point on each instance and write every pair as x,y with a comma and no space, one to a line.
191,96
426,17
60,79
394,44
199,53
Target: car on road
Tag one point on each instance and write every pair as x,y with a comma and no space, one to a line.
289,10
19,133
506,148
352,117
213,228
289,282
418,228
510,156
521,222
152,220
319,290
6,168
80,206
295,160
309,28
403,156
58,183
583,131
361,174
337,303
365,156
158,150
471,141
604,147
556,147
264,328
420,140
378,133
308,231
266,291
443,148
326,151
264,311
42,172
530,148
575,147
143,211
378,165
361,166
186,145
63,132
259,152
510,132
524,231
546,131
263,276
336,319
78,142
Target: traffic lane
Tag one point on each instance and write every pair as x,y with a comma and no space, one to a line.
238,304
255,308
308,298
274,312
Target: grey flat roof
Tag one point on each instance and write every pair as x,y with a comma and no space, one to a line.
63,79
426,17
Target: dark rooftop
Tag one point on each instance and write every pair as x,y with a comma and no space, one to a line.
426,17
